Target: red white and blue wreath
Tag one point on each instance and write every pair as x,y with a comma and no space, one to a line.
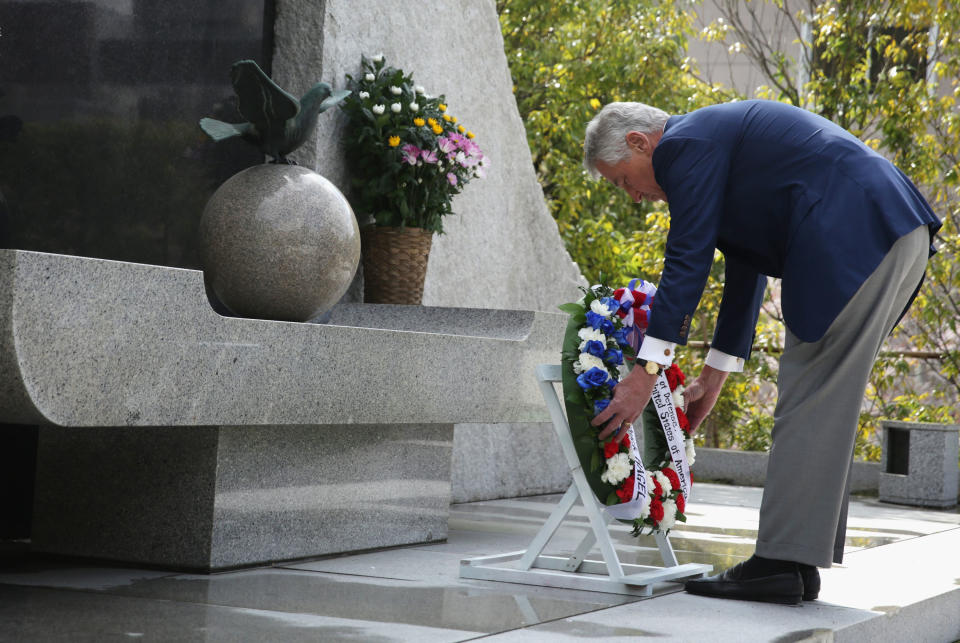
605,330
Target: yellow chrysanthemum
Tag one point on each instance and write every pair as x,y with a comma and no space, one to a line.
461,129
437,129
453,118
432,121
594,103
393,141
442,107
469,134
447,117
419,122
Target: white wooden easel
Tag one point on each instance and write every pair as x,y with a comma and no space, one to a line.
574,572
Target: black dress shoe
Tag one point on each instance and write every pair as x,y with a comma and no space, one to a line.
785,587
811,582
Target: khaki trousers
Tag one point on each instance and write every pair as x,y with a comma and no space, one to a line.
803,516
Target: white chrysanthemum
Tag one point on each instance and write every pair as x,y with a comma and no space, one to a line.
664,482
691,452
378,58
577,368
395,108
678,398
588,361
378,109
364,95
396,91
618,468
419,89
591,334
369,78
414,107
669,515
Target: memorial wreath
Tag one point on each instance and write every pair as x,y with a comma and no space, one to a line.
605,330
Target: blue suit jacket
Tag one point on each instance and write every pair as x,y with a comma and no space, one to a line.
781,192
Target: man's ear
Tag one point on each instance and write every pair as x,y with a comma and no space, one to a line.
638,141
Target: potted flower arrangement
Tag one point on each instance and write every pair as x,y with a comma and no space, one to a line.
408,156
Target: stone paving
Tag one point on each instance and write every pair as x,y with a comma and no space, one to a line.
900,582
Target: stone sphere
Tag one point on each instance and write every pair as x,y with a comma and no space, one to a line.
279,242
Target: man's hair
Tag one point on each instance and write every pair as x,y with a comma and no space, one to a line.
606,137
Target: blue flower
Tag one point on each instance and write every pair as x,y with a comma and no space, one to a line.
621,337
611,303
595,320
592,378
595,348
613,356
600,405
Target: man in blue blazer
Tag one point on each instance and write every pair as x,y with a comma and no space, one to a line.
783,193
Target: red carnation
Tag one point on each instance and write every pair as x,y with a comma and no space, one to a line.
610,448
683,420
656,510
672,477
625,492
657,489
681,503
626,441
675,376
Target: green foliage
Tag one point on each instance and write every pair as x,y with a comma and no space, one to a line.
870,69
408,156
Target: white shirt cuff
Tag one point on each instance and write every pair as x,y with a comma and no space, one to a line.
657,351
724,362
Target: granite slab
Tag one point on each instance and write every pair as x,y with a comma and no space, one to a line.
89,342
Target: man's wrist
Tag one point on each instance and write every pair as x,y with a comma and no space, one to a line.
650,367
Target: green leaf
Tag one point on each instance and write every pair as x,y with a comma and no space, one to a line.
596,461
612,499
572,309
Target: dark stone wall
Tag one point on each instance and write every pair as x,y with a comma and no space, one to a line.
100,151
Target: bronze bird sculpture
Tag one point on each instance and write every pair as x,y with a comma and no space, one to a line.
277,123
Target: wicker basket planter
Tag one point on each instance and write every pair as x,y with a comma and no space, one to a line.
394,264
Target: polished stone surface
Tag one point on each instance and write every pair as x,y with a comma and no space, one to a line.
208,498
110,161
930,476
279,242
501,248
101,343
897,584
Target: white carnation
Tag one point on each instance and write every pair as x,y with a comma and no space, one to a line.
618,468
678,398
588,361
664,482
591,334
669,515
597,306
419,89
378,58
378,109
369,78
691,452
395,108
364,95
396,91
414,107
577,368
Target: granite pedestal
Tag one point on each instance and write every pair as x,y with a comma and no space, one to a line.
175,437
919,464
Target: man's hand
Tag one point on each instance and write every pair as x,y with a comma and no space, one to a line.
629,398
702,394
